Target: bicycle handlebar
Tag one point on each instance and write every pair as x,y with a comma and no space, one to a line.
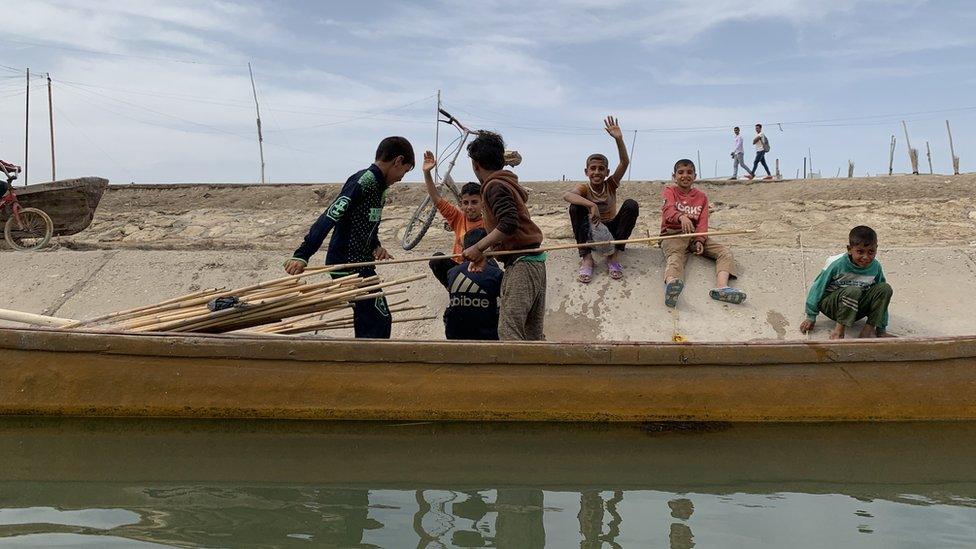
454,121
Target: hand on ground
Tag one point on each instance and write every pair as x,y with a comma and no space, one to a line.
380,254
429,161
294,267
806,326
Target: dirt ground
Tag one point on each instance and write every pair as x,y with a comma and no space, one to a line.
149,243
912,211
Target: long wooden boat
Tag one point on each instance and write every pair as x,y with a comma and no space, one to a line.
77,373
70,203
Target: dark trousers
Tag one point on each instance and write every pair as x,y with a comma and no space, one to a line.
760,159
440,267
370,318
621,226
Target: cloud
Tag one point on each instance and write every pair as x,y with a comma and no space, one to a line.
333,80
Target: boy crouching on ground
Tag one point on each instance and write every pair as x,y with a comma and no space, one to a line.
851,286
685,210
473,309
510,227
355,215
596,202
462,220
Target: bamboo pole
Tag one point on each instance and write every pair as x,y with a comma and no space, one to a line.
271,310
31,318
344,266
310,326
144,308
395,320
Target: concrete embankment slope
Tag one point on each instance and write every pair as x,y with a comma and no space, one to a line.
149,243
934,291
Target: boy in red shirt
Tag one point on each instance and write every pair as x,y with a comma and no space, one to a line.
463,219
685,210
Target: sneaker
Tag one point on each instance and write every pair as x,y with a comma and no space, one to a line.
727,294
733,178
671,292
750,176
768,178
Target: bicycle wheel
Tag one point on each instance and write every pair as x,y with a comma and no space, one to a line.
32,233
419,222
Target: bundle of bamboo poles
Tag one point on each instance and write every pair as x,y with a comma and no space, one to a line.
285,306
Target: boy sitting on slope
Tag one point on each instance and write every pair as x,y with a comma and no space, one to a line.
851,286
685,210
462,220
596,202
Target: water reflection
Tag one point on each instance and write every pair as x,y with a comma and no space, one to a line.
267,485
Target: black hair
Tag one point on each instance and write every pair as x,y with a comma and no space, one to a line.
735,128
474,236
758,125
684,162
395,146
471,188
862,235
597,156
488,150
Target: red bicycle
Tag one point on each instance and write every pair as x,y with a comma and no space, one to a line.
27,229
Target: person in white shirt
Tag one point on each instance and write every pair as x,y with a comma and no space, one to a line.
738,157
762,147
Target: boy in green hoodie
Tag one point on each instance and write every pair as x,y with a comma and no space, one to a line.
852,286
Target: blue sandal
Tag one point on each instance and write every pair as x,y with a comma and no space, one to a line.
671,292
727,294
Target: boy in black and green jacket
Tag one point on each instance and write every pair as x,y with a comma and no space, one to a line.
354,220
852,286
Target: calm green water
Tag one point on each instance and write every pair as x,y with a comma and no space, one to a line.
120,483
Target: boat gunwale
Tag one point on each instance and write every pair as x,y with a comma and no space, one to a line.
311,349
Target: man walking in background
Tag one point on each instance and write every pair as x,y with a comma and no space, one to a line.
738,157
762,147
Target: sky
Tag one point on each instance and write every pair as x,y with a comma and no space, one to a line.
158,91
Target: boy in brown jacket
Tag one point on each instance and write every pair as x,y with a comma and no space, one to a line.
523,295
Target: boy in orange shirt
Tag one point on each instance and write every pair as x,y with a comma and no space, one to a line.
463,219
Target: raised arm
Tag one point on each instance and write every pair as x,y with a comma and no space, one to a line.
613,128
428,166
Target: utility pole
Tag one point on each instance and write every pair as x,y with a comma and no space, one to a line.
50,116
891,156
928,153
437,134
257,109
633,143
912,153
952,151
26,126
699,159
